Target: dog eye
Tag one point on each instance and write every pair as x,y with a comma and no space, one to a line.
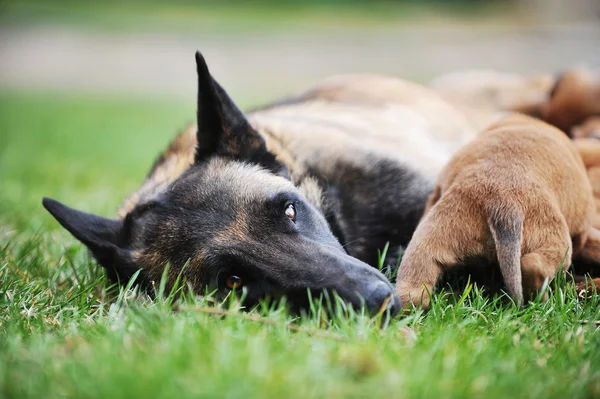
290,212
234,282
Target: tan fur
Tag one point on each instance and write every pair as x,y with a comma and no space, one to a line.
237,231
355,116
193,273
172,163
589,149
347,118
575,98
518,194
353,133
590,128
493,90
377,89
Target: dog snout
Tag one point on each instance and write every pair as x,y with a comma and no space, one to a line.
379,297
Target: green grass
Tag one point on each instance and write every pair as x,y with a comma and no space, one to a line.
234,16
62,335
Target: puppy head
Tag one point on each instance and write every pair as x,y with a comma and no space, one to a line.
574,98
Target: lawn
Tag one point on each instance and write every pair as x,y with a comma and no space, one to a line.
231,16
62,334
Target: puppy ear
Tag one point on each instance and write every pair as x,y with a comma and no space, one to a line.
103,237
222,128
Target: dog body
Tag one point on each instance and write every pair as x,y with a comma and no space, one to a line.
275,202
364,149
517,194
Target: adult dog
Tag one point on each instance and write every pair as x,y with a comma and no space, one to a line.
294,196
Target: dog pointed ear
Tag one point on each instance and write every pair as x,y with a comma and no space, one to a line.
222,128
103,237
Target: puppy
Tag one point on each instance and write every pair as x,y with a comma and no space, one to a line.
574,99
589,149
517,194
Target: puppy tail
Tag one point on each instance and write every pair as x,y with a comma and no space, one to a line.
507,231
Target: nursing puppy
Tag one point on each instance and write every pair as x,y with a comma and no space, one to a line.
517,194
589,149
574,99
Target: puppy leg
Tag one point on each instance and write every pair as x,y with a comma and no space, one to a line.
544,262
446,234
433,199
596,219
417,276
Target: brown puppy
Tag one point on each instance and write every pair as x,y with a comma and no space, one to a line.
518,194
574,99
589,149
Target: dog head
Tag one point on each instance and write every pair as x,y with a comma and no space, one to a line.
232,221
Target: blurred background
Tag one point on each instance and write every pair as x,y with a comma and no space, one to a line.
268,48
92,91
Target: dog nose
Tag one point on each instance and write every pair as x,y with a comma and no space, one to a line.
381,293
